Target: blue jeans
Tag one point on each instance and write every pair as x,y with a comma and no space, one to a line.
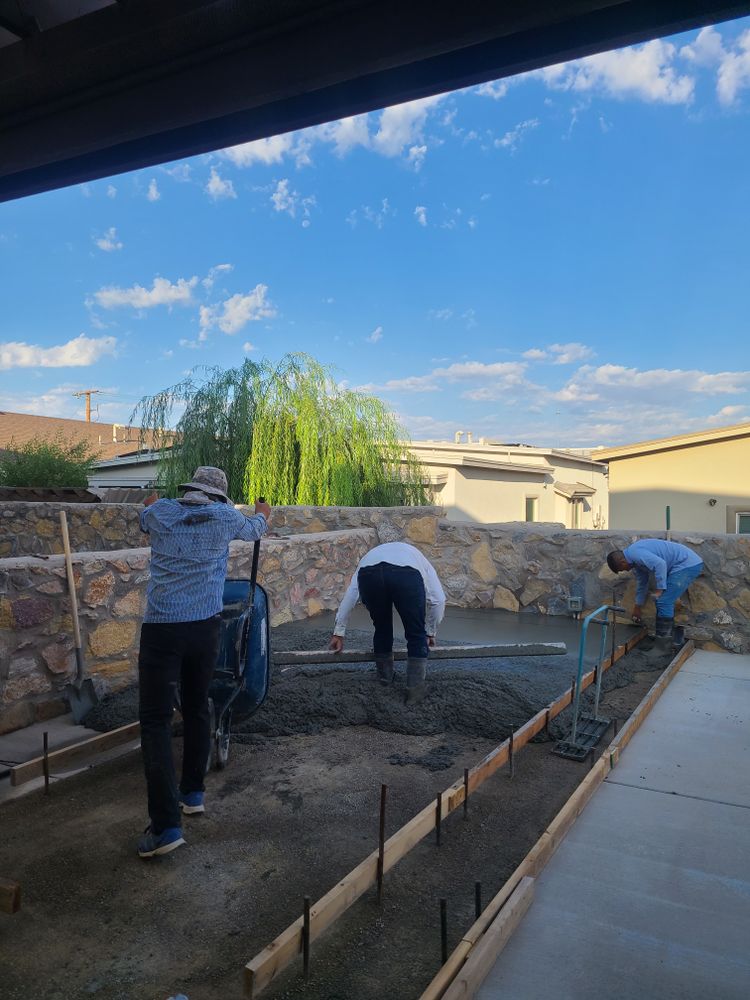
385,586
677,584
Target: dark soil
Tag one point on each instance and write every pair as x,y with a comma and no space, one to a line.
290,816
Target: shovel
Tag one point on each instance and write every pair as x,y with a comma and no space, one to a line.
81,692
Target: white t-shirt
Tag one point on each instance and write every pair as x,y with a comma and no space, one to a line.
397,554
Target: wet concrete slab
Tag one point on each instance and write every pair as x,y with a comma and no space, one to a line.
649,895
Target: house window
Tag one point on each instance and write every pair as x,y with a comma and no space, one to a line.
743,523
532,508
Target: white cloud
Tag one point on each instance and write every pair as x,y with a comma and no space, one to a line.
217,188
496,89
729,415
162,293
512,139
111,191
375,336
345,134
287,200
153,193
732,64
377,216
499,376
214,272
415,156
441,314
642,71
560,354
420,214
402,125
109,242
237,311
665,380
79,352
181,172
266,151
247,347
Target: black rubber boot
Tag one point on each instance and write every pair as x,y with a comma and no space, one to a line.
663,640
416,673
384,669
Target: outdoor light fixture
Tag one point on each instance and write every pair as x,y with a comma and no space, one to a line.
712,502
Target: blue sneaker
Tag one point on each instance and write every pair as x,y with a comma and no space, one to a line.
192,803
152,843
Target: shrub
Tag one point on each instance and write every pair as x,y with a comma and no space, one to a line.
52,463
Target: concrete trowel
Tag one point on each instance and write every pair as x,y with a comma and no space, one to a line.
81,692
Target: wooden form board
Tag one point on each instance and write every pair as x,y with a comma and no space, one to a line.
10,896
67,756
267,964
535,861
301,657
499,932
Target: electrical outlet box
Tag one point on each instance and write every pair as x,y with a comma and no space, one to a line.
575,604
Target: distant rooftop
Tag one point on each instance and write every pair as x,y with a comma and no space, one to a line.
111,440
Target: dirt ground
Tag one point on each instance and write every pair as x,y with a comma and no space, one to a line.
291,815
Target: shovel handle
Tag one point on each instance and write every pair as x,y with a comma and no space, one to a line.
71,585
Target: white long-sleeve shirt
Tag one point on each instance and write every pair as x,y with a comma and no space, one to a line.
397,554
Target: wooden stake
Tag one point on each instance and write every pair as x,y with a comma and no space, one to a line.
381,841
59,759
300,657
10,896
306,938
45,761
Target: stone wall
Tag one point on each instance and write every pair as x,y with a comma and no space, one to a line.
390,523
303,575
34,528
532,568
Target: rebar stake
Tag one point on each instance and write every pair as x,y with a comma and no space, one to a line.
466,793
511,759
438,818
444,930
477,900
45,762
381,841
546,724
306,939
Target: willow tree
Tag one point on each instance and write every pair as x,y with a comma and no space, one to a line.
287,432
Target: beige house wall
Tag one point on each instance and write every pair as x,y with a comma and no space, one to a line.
489,496
686,478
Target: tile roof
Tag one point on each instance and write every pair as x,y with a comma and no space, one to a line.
110,440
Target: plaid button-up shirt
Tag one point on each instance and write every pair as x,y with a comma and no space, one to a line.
189,556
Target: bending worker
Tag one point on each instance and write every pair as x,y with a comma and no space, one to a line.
396,575
674,567
180,641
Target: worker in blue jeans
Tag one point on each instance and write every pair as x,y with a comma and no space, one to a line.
674,567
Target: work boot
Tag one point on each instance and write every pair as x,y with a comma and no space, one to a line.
663,638
384,668
416,672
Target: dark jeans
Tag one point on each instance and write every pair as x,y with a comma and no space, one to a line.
183,653
384,587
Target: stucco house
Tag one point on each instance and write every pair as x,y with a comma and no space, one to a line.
703,477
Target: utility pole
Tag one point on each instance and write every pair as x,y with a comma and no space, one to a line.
88,393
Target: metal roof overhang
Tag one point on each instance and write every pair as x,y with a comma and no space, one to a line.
141,82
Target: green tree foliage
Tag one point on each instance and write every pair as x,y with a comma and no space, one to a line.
287,432
50,463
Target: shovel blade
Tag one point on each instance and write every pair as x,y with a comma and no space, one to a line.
82,699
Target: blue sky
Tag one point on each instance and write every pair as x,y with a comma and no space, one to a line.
561,258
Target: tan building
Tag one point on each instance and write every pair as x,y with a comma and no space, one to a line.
489,482
704,478
107,440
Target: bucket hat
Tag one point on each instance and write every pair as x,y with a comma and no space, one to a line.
209,480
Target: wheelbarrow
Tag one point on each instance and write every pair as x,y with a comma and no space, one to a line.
240,682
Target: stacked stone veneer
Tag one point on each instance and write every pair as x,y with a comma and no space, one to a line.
514,566
28,529
304,575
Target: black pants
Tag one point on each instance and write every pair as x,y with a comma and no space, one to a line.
386,586
183,653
